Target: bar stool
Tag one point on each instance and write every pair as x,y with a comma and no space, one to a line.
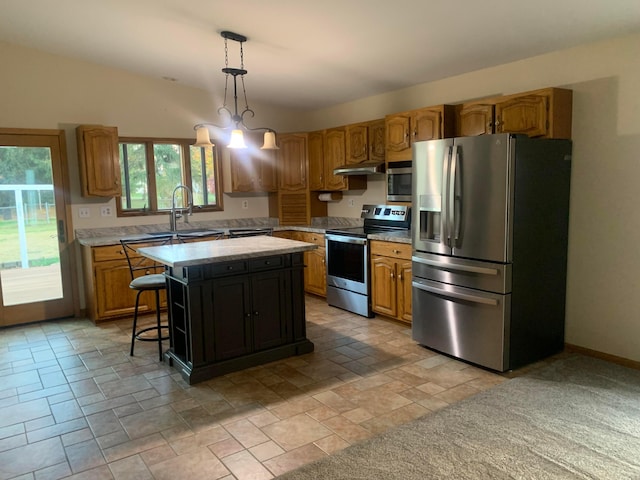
199,236
146,276
250,232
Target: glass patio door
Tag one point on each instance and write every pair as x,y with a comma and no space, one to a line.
35,273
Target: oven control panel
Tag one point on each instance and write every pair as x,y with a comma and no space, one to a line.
396,213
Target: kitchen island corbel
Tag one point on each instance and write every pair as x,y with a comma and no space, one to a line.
233,303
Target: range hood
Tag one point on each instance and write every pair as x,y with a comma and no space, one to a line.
370,168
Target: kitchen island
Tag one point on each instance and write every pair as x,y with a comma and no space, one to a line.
233,303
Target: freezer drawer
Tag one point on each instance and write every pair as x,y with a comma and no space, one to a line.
469,324
488,276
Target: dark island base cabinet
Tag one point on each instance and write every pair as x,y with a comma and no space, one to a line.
230,316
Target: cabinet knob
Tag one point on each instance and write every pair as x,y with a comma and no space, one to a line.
229,267
396,251
392,275
256,313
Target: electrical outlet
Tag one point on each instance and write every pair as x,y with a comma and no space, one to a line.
352,202
106,211
84,212
245,203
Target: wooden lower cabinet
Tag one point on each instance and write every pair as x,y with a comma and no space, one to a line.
107,291
315,272
391,279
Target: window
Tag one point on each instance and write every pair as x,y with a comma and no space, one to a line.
151,168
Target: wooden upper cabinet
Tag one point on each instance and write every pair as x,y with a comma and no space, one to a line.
539,113
398,133
365,142
475,119
334,157
357,142
427,123
316,160
377,144
252,169
526,114
292,161
99,160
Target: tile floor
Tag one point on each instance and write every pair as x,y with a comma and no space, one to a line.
74,404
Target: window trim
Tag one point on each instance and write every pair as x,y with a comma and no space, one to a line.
185,145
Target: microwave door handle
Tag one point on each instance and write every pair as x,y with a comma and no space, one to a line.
458,295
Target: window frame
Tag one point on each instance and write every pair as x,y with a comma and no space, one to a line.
185,145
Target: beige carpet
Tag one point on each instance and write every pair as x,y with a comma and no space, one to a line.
579,418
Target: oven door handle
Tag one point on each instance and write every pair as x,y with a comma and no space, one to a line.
345,239
451,294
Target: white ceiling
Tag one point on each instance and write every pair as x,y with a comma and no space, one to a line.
310,54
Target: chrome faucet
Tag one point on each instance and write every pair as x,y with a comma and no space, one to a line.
177,212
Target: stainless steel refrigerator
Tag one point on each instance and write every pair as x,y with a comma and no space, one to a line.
490,228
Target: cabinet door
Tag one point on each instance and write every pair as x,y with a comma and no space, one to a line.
357,144
377,145
268,173
113,297
398,128
315,273
270,315
404,290
231,319
383,286
292,161
334,157
243,171
475,119
526,114
316,161
426,125
99,160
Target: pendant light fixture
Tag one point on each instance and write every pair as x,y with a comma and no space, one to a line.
236,120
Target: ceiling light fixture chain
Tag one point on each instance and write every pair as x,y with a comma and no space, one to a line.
237,137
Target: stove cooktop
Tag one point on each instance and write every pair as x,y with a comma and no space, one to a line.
378,219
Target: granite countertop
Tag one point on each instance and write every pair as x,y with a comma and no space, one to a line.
96,237
216,251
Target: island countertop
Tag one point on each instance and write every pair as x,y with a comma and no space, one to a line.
216,251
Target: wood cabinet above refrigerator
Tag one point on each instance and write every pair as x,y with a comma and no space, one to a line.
542,113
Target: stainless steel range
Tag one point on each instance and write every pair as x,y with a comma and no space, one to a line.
348,282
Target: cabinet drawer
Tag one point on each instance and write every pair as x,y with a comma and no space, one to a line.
110,252
310,237
266,263
391,249
229,268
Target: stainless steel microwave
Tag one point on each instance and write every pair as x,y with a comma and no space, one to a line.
399,181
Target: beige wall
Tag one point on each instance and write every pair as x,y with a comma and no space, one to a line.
44,91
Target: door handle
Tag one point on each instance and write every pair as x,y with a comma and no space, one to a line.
62,236
458,295
455,266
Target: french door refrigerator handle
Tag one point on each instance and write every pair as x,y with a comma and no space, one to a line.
455,266
447,224
456,196
458,295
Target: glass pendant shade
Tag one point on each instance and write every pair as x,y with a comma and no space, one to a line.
202,138
269,141
237,140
